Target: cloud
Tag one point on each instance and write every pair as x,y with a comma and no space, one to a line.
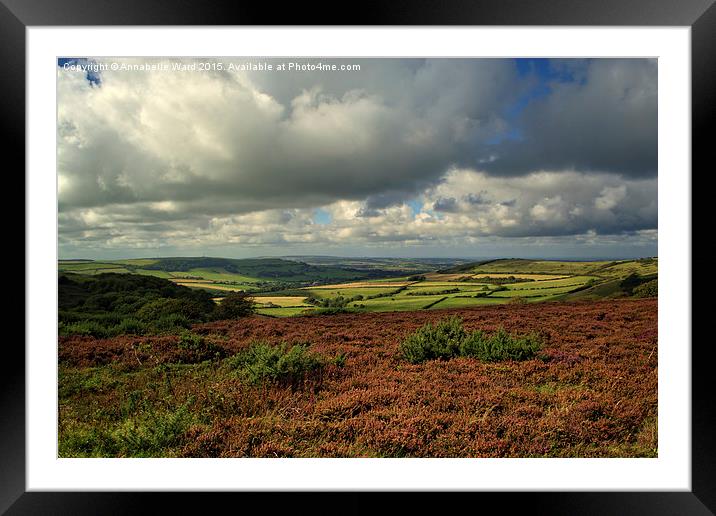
604,119
403,153
208,140
543,204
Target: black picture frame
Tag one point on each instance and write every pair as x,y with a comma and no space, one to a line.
700,15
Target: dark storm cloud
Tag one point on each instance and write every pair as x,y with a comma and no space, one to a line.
603,119
479,198
447,204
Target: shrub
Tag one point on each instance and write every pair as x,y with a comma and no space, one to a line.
235,305
499,346
170,323
280,364
448,339
146,433
163,307
90,328
129,326
648,289
153,433
195,348
441,340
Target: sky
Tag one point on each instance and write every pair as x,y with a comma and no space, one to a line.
464,158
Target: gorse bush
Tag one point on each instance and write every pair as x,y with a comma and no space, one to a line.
448,339
279,364
429,342
499,346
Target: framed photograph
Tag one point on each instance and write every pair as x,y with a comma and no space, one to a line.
419,250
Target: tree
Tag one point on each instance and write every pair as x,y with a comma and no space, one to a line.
236,304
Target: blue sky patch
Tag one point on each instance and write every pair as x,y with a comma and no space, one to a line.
321,216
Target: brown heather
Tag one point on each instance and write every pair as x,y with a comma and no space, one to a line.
590,392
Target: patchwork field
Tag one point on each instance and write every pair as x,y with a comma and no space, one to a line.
300,288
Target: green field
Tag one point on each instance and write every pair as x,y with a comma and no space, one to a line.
602,269
281,311
357,284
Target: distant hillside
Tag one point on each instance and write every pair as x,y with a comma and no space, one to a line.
250,270
406,265
603,269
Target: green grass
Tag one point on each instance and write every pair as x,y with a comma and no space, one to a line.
323,293
605,269
150,433
156,274
400,304
571,281
220,275
546,292
466,302
431,286
283,311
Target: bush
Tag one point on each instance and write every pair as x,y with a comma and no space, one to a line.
162,307
195,348
129,326
90,328
430,342
149,433
170,323
280,364
499,346
235,305
448,339
153,434
648,289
